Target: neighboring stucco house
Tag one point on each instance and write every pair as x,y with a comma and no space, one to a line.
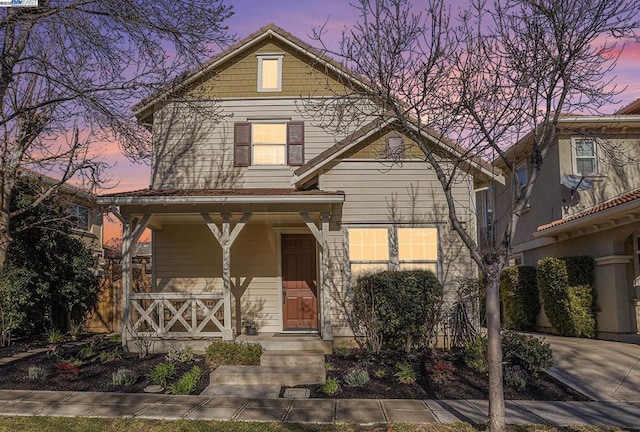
587,202
263,214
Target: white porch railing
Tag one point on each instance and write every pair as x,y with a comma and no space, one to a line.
175,315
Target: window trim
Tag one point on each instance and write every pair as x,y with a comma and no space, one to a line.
574,156
269,56
253,144
393,257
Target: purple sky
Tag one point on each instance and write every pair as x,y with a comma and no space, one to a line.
299,17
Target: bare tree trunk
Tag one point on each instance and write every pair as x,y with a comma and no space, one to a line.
494,351
5,238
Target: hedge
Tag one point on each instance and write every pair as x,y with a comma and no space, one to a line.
568,295
396,309
519,294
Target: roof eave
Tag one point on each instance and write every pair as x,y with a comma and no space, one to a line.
245,199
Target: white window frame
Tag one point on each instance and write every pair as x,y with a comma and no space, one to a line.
79,222
574,156
270,56
393,261
253,144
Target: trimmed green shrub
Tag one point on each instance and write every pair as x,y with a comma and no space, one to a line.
519,294
531,353
396,309
474,353
123,377
515,377
221,352
568,296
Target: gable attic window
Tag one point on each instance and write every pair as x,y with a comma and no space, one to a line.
394,148
270,72
274,143
584,156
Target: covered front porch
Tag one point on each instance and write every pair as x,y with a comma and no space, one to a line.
225,258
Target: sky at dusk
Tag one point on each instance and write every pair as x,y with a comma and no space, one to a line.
299,18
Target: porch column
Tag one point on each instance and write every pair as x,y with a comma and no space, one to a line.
130,235
225,238
322,239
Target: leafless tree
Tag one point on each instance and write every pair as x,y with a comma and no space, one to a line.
70,71
485,78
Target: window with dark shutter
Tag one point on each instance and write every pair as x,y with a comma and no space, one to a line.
295,143
242,144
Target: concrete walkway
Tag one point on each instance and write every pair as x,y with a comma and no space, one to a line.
603,370
608,372
70,404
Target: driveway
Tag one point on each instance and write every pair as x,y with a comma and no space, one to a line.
603,370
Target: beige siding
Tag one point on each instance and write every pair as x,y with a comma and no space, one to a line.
238,77
191,152
188,258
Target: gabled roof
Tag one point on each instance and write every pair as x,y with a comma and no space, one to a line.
357,137
270,30
617,201
64,187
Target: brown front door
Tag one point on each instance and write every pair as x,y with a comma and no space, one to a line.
299,284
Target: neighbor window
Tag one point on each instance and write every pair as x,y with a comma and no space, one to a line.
584,152
368,249
268,143
522,175
418,248
270,73
80,216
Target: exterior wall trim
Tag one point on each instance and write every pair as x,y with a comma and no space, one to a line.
265,199
613,259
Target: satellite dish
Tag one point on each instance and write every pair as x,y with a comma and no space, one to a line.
576,182
573,183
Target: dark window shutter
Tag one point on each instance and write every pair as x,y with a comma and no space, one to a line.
295,143
242,144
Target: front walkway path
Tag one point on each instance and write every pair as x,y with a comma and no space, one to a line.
72,404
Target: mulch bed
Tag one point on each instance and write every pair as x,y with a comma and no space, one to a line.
94,374
440,375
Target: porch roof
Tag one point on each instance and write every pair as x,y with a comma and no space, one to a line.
627,202
214,196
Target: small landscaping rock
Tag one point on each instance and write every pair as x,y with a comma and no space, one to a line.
154,389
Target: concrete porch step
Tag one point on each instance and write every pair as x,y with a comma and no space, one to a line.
288,342
268,375
292,358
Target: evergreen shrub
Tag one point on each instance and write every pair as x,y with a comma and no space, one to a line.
519,294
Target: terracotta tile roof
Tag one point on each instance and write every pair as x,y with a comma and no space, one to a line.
632,108
613,202
219,192
176,83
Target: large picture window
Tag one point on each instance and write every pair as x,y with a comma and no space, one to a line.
369,249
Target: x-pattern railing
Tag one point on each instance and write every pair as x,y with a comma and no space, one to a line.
177,314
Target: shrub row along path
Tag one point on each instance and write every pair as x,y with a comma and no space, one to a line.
608,372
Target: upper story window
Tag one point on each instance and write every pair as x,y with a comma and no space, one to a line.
585,152
80,217
523,175
270,72
269,143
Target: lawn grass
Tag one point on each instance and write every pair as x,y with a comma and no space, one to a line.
84,424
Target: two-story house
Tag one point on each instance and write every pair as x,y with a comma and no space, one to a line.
262,213
586,201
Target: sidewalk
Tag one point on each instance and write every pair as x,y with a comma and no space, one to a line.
70,404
